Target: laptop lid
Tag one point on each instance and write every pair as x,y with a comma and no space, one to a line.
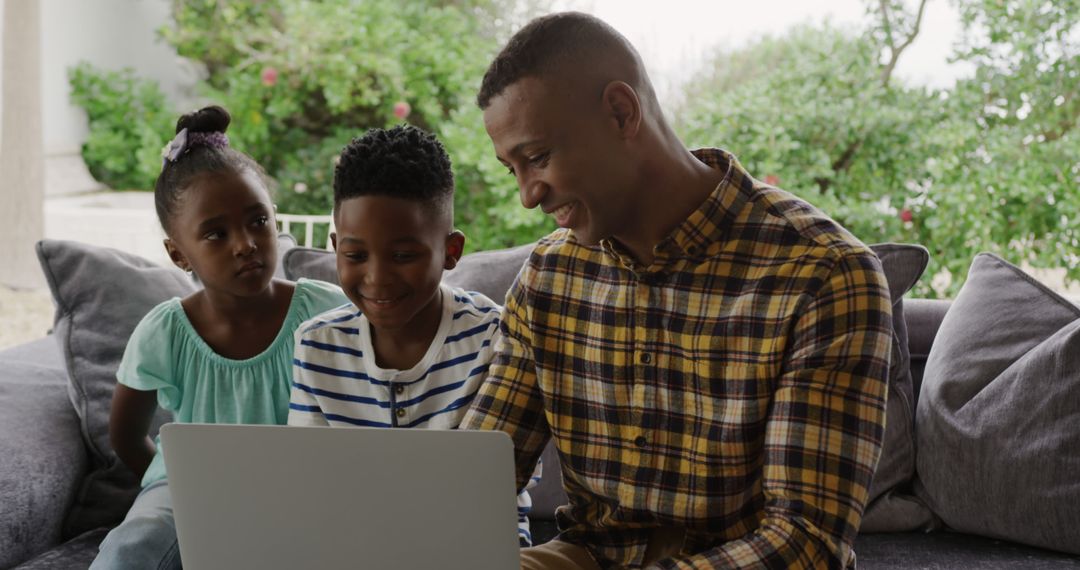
271,497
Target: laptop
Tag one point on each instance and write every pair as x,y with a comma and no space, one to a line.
283,497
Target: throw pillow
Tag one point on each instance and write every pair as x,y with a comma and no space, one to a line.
100,295
890,508
999,414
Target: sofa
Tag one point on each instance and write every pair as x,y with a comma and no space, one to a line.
61,488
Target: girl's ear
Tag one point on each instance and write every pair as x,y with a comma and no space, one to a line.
455,247
176,255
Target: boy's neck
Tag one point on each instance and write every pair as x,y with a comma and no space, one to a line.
403,348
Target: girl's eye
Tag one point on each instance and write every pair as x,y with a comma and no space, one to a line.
356,257
262,220
214,236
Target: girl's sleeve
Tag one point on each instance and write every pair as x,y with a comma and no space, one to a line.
148,362
319,297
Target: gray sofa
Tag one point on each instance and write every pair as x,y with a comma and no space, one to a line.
47,454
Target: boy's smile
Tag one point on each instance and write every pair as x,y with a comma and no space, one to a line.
391,253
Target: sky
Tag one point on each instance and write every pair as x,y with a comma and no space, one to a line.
674,35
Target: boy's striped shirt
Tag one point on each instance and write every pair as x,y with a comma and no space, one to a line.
336,381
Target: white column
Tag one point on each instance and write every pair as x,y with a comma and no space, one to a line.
22,186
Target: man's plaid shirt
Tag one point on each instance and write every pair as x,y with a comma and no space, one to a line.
735,387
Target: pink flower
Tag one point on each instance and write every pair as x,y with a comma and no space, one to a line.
269,76
906,215
772,179
402,109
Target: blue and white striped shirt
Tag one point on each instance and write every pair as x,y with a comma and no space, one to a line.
336,381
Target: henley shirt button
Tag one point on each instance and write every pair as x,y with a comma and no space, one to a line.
645,357
401,412
640,441
399,389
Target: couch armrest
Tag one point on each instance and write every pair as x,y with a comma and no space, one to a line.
43,455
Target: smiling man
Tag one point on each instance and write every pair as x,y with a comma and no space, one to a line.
709,353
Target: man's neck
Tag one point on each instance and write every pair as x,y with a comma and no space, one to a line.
672,192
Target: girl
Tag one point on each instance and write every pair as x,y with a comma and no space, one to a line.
221,355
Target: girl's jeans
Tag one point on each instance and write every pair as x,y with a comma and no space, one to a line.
146,538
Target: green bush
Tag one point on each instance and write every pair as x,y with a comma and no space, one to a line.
989,164
130,122
303,78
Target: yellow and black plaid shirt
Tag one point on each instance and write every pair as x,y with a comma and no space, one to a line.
735,387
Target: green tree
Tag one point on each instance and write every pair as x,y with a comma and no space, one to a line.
989,164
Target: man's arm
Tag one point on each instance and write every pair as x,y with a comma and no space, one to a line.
509,399
824,431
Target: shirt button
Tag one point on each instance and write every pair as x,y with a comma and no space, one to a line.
692,250
401,412
640,441
645,357
399,389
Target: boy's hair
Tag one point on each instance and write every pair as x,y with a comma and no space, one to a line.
545,44
402,162
199,157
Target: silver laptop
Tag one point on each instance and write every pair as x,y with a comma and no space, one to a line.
277,497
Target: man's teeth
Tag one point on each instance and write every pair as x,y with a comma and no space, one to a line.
562,211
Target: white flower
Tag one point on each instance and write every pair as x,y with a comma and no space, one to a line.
299,188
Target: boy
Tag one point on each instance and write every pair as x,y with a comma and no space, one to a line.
409,352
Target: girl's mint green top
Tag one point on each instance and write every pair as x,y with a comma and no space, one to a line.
199,385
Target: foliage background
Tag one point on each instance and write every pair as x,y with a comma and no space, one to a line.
989,164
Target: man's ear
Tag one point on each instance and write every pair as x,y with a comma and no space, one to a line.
333,239
455,247
176,255
622,105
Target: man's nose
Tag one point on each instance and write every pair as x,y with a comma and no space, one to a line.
532,192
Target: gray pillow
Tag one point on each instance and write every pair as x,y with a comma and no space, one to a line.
890,506
487,272
100,295
999,414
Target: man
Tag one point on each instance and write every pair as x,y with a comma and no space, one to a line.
709,353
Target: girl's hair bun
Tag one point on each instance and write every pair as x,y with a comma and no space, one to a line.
212,119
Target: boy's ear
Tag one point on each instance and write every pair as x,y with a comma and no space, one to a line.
333,239
455,247
176,255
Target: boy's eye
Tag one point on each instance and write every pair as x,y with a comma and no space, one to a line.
355,256
404,256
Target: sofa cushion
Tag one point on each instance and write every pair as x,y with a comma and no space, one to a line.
42,458
998,428
100,295
952,551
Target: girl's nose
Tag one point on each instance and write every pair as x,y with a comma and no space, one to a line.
245,245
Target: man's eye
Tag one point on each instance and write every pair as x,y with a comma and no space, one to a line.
539,159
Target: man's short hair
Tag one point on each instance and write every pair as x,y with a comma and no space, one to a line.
543,45
402,162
